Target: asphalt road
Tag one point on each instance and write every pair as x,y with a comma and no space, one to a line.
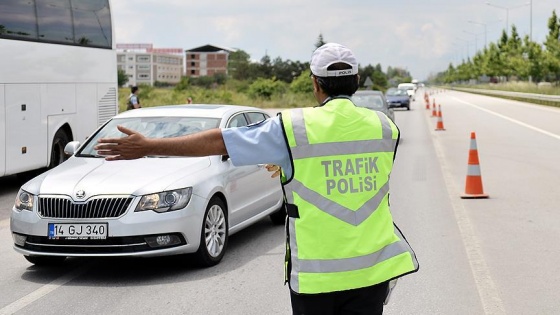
484,256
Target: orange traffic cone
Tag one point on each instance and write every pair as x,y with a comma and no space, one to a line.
434,113
473,187
439,125
427,103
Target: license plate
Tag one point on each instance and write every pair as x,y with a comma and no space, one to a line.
78,230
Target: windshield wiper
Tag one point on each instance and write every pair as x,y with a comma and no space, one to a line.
91,155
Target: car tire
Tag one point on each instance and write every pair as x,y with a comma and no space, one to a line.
279,216
45,260
408,107
58,156
214,234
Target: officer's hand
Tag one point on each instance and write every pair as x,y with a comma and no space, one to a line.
133,146
273,168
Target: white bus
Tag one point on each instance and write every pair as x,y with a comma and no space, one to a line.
58,78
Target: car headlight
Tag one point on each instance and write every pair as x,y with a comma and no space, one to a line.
24,200
165,201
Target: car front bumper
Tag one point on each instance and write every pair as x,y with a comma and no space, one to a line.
132,234
398,103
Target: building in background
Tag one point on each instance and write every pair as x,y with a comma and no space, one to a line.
145,64
206,60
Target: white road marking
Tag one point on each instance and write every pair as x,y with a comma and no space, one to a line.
489,294
43,291
509,118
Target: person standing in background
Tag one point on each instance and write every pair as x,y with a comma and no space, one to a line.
133,101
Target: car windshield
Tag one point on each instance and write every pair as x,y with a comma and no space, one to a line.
369,101
151,127
397,92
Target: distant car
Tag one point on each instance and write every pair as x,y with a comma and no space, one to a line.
410,88
374,100
398,98
152,206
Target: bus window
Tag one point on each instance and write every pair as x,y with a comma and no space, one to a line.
92,21
59,29
17,19
76,22
48,94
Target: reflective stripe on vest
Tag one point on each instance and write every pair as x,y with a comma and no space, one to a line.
336,210
347,264
393,259
300,131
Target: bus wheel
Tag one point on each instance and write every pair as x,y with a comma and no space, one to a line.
57,153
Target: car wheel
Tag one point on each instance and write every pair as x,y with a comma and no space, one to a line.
45,260
214,234
408,107
279,216
57,152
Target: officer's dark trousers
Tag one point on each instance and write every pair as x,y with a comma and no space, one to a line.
368,300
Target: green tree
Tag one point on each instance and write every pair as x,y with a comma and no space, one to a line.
495,64
265,67
396,75
379,79
302,84
265,88
320,41
183,84
516,57
288,70
465,71
122,77
365,73
206,82
239,65
535,56
282,70
552,44
450,75
479,64
502,58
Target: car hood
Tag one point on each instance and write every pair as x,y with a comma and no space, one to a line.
96,176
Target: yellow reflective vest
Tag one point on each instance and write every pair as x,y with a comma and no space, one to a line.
340,232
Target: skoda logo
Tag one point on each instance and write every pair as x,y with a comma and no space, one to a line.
80,194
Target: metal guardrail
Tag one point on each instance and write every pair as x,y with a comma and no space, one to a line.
516,95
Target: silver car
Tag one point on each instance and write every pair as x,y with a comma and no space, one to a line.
374,100
152,206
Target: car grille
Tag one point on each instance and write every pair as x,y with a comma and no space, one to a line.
65,208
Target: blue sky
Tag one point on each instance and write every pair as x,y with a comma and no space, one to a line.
421,36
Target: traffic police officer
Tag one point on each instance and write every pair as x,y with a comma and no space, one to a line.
342,247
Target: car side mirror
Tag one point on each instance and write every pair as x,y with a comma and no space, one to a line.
71,147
